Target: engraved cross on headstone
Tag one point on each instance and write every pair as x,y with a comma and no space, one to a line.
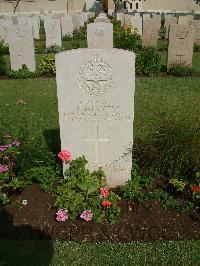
96,141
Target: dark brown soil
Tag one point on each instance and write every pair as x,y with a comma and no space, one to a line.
36,220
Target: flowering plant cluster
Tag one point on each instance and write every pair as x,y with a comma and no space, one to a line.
84,194
9,154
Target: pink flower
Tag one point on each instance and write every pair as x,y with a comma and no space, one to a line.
87,215
104,192
3,168
16,143
65,155
62,215
4,147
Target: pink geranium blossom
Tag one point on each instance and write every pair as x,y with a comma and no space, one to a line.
3,168
65,155
104,192
4,147
16,143
62,215
87,215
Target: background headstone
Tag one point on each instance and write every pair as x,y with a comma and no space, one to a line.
180,49
21,47
53,33
136,22
95,89
150,33
100,35
67,25
169,20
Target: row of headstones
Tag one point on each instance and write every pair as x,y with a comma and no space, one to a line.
182,36
67,23
145,22
20,36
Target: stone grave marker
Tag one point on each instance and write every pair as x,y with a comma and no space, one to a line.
76,20
169,20
67,25
21,47
95,89
196,26
150,33
180,49
53,33
100,35
136,22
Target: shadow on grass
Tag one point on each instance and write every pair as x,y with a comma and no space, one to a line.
52,138
23,245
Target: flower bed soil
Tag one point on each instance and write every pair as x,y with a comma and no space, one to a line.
36,220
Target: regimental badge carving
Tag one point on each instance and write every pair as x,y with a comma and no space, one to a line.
95,77
99,32
20,33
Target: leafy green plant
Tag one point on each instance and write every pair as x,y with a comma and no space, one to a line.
167,201
148,62
80,34
22,73
67,37
180,71
3,67
46,176
196,48
80,191
178,184
47,64
163,46
53,49
75,44
9,182
125,39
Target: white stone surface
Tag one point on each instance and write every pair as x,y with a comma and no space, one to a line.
95,89
21,47
136,22
76,20
150,32
180,49
53,33
100,35
67,25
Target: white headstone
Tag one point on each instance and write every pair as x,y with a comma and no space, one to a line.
67,25
53,33
95,89
136,22
76,20
100,35
21,47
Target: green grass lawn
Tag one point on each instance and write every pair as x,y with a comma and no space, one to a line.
23,253
178,98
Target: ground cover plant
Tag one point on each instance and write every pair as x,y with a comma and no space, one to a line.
171,192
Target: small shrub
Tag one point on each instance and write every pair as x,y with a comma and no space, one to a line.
46,176
4,49
47,65
125,38
9,181
180,71
84,190
67,38
196,48
163,47
3,68
80,34
148,62
22,73
53,49
75,44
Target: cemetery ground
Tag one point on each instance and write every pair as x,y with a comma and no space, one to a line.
166,147
29,111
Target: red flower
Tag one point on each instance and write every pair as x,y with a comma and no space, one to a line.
106,203
104,192
65,155
195,188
